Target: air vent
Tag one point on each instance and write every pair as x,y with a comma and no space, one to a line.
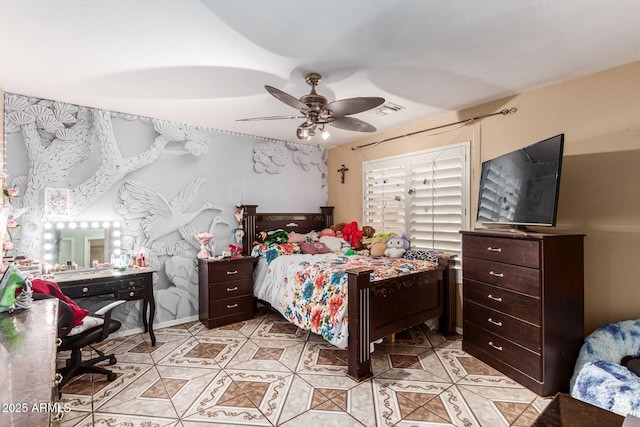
388,108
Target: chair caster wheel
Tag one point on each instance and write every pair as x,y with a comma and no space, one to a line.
111,376
112,360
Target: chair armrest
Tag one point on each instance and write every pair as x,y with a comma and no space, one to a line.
109,307
105,313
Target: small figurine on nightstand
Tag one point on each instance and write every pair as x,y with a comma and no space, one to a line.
204,239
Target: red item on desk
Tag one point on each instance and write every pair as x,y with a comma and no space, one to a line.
48,287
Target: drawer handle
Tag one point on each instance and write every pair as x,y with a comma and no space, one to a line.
494,249
496,274
490,320
232,272
235,288
131,294
232,305
85,290
494,298
497,347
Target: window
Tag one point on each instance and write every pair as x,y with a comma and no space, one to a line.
424,194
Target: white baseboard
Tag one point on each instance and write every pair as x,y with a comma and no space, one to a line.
459,331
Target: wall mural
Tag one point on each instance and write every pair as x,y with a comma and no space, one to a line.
163,181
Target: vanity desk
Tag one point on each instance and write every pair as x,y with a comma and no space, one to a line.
134,283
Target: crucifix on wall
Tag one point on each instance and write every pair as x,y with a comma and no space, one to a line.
342,171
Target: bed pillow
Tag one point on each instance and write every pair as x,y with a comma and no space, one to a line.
296,237
314,248
422,255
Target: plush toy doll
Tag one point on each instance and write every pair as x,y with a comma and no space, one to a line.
352,234
397,245
327,232
367,237
275,236
337,228
378,246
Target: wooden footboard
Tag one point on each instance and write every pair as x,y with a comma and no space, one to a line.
381,308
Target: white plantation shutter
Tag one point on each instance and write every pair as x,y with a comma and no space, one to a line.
424,194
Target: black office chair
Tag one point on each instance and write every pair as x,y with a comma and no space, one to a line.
94,329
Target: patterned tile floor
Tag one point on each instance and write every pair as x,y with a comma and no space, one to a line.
267,372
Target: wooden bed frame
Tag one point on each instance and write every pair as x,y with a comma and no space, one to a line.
376,309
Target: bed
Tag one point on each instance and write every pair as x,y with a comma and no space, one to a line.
375,309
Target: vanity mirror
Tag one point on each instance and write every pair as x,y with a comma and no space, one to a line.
81,243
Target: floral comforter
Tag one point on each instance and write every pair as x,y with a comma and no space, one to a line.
311,290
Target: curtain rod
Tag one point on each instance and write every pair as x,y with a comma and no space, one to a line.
502,112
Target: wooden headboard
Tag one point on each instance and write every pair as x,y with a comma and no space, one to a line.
254,223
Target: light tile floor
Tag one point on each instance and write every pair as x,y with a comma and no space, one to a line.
267,372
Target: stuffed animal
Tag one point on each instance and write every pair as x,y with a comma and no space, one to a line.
327,232
352,234
275,236
397,245
367,237
378,246
337,228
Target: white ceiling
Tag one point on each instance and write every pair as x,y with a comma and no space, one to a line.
206,62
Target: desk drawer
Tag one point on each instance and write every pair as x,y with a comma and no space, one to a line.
131,283
228,271
130,294
515,330
520,279
88,289
517,305
507,250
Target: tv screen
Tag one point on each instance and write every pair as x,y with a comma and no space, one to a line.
521,187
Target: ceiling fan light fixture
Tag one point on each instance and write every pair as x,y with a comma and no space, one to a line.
302,133
325,133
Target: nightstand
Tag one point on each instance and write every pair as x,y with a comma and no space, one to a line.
225,290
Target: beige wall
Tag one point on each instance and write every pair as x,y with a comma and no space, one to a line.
600,188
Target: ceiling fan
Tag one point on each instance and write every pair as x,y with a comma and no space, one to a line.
318,112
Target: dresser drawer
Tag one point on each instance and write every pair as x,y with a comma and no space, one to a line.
514,304
224,290
520,279
500,348
227,271
510,251
230,306
515,330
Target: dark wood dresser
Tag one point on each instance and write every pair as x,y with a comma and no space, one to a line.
523,305
225,290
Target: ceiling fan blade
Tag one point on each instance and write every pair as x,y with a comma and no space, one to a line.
255,119
344,107
286,98
351,123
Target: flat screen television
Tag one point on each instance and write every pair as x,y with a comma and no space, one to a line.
521,188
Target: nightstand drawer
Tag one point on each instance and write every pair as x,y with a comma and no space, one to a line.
514,304
224,290
510,251
504,350
228,271
515,330
520,279
230,306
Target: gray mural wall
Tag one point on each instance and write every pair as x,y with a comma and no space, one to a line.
162,181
